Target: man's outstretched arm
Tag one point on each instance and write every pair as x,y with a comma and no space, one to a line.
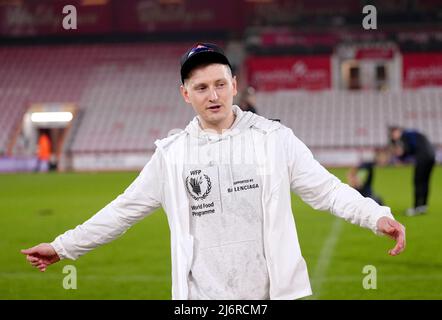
141,198
323,191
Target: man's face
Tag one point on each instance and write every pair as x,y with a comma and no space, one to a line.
396,134
210,90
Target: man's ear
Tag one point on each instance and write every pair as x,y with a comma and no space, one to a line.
235,86
185,93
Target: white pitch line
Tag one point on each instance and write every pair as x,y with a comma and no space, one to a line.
325,257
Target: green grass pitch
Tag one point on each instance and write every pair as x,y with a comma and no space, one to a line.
35,208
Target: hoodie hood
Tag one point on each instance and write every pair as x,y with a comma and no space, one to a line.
244,120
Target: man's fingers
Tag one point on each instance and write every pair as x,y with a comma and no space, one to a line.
400,242
31,258
389,229
396,231
41,265
393,226
390,225
38,257
39,262
387,226
29,251
36,260
396,250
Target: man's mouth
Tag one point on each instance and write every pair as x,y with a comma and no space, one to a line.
214,108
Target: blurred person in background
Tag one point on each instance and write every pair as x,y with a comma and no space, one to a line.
248,100
44,150
361,177
410,143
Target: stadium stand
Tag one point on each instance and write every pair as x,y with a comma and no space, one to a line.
128,97
354,119
12,106
128,94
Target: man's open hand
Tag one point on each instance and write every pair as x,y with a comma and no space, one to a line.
41,256
394,230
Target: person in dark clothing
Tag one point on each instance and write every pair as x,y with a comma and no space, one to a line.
248,100
408,143
361,177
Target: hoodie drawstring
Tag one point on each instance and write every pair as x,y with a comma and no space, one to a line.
230,165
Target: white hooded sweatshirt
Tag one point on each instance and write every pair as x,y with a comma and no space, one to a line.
224,189
283,164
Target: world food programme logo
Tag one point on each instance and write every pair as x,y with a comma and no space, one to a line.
198,185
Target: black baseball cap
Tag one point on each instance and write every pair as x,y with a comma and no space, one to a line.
202,53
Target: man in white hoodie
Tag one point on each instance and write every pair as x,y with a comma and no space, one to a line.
224,183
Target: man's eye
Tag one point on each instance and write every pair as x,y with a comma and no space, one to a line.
221,84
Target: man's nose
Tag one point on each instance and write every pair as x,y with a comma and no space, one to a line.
213,95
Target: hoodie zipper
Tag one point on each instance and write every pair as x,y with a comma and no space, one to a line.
211,164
